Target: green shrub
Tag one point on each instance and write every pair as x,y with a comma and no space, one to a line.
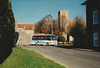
61,39
7,29
16,35
78,31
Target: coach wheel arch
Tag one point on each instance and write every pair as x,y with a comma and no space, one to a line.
47,44
36,43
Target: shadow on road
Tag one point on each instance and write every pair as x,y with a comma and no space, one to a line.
39,45
77,48
71,47
67,47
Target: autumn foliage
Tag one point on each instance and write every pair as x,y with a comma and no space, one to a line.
45,26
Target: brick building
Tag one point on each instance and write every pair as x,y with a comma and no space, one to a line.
93,23
25,33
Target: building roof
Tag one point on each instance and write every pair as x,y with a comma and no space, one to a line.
42,34
26,26
84,3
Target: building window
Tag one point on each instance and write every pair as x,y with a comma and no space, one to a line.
95,17
96,39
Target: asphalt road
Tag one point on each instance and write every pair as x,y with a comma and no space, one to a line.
69,57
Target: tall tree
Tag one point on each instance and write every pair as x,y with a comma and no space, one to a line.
43,26
46,25
55,27
7,29
38,27
78,31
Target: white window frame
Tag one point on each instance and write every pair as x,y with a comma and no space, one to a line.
96,39
95,17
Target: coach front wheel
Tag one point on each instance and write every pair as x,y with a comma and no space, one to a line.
47,44
36,44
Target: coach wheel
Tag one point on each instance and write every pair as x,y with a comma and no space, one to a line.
47,44
36,44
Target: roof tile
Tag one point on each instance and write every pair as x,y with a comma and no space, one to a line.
27,26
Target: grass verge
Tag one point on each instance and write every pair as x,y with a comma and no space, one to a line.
22,58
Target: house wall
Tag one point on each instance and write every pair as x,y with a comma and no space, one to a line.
92,28
25,35
28,36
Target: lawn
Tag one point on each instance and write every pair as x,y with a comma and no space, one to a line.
22,58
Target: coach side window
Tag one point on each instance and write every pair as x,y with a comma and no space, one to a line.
34,38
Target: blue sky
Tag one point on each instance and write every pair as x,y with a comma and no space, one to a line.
31,11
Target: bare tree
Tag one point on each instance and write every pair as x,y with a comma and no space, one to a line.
55,27
44,25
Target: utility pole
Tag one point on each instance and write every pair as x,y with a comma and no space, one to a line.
51,24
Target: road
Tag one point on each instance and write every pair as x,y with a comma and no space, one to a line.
69,57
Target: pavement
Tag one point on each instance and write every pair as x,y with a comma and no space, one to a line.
68,56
